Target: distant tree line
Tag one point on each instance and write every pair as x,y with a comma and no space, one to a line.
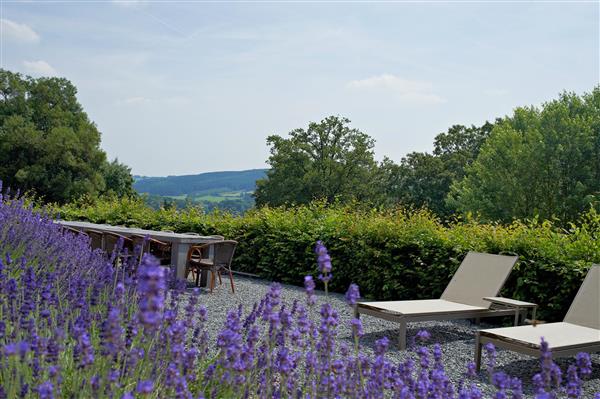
49,146
539,162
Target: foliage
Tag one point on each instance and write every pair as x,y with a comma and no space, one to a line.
329,160
47,142
423,179
75,326
538,162
118,179
394,254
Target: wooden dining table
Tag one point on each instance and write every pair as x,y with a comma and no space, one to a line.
180,243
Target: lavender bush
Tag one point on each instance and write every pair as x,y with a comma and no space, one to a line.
72,325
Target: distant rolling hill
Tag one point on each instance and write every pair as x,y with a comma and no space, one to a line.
201,184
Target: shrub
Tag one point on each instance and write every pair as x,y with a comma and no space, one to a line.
397,254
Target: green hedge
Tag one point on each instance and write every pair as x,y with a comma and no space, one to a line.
390,254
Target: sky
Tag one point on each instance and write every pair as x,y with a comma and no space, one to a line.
185,87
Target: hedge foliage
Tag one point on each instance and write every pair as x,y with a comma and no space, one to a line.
397,254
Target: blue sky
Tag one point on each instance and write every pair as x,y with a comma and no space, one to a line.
189,87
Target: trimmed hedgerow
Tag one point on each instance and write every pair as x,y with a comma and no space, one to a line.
397,254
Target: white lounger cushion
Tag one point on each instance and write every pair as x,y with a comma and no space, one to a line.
558,335
421,306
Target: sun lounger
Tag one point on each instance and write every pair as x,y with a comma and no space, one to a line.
479,276
579,332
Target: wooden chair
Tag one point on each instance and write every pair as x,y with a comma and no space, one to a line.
110,242
160,249
96,239
68,229
221,260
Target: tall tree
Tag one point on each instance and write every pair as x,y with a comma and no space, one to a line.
329,160
47,142
538,162
118,179
423,179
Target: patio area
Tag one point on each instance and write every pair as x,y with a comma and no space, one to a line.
457,338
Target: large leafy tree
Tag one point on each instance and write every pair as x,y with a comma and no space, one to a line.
423,179
538,162
118,179
328,160
48,144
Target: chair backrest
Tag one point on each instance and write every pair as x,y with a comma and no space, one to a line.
478,276
585,308
96,239
111,239
224,251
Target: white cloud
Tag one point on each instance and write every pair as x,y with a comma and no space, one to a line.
412,91
40,67
18,32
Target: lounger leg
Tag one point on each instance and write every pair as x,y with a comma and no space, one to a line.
356,314
517,313
402,332
477,352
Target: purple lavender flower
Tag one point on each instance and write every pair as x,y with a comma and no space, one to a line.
423,336
309,286
352,295
324,262
471,370
573,382
46,390
145,387
357,329
584,363
151,285
491,358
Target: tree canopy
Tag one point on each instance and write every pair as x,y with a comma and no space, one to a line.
423,179
48,144
328,160
542,162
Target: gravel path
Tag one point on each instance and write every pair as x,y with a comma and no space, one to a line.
456,337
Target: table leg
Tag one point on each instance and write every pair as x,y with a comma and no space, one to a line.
179,258
179,253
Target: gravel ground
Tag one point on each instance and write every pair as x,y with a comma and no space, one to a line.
456,337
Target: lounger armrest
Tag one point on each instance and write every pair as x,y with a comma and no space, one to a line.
513,303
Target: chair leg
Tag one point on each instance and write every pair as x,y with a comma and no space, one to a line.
219,274
212,280
231,281
197,278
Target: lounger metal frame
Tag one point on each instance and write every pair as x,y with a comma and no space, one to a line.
403,319
575,316
452,294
